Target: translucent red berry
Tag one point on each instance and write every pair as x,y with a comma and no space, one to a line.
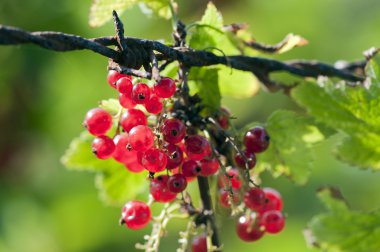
131,118
273,221
173,130
165,88
199,243
233,177
113,76
126,101
209,166
134,166
223,118
254,198
141,138
191,168
140,93
175,156
97,121
224,196
248,229
103,147
197,147
124,85
121,152
177,183
160,191
154,104
256,140
154,160
249,156
136,214
273,200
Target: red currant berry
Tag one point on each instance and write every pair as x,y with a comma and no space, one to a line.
136,214
134,167
199,243
273,221
233,177
224,197
131,118
248,230
197,147
177,183
124,85
141,138
254,198
173,130
250,157
154,105
154,160
121,152
223,118
175,156
141,93
256,140
165,88
97,121
160,191
273,200
191,168
126,101
103,147
209,166
113,76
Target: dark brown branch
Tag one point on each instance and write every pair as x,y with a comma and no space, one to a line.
138,54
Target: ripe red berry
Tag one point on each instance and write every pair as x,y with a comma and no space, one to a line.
173,130
165,88
103,147
160,191
197,147
273,221
191,168
154,160
154,104
175,156
121,152
254,198
233,176
131,118
273,200
250,157
124,85
126,101
134,166
248,229
141,138
140,93
97,121
209,167
136,214
224,197
177,183
199,243
113,76
223,118
256,140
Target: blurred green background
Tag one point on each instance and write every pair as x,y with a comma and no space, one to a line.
44,96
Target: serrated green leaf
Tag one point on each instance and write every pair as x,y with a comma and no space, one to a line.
290,151
343,230
101,10
204,82
354,111
116,184
112,106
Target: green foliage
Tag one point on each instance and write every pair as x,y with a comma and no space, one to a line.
116,184
101,10
290,152
341,229
112,106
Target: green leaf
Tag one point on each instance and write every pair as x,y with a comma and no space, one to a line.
290,151
115,183
101,10
341,229
112,106
354,111
204,82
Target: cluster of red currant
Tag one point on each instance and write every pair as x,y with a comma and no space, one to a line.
174,155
